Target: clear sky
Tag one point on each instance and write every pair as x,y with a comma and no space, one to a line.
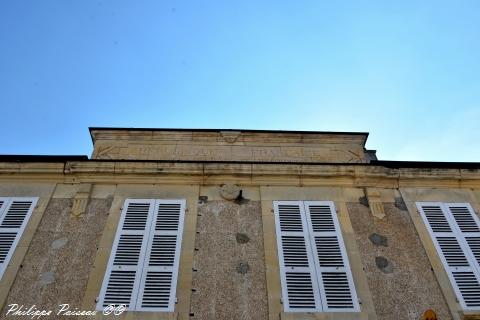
406,71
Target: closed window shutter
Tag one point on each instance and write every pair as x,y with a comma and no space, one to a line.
124,270
469,227
297,271
450,226
467,224
160,271
331,261
14,215
2,203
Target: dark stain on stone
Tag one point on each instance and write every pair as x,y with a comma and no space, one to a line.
383,264
400,204
364,201
240,199
378,239
242,238
243,268
202,199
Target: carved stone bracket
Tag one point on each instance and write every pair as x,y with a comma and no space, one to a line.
80,201
375,203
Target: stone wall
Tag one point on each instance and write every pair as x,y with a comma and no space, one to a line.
229,282
229,276
58,262
399,274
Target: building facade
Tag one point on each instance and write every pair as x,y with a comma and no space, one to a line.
237,224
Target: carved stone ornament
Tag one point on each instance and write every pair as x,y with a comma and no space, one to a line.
79,206
230,136
229,191
80,201
375,203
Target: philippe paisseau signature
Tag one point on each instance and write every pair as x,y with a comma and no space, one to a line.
34,312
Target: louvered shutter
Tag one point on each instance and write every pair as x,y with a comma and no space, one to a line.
124,270
467,224
297,271
2,202
157,290
337,289
450,226
14,215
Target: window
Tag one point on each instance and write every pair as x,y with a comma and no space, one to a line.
314,269
14,215
454,229
143,266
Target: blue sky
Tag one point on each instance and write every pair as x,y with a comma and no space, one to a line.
408,72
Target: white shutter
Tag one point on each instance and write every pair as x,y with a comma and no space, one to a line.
467,225
297,271
157,290
449,226
334,276
124,270
14,215
3,201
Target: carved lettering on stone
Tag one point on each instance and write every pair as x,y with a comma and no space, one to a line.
226,147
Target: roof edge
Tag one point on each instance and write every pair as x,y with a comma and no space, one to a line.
41,158
380,163
425,164
362,134
219,130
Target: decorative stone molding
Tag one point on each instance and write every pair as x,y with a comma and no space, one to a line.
230,136
80,201
343,175
104,152
375,203
229,191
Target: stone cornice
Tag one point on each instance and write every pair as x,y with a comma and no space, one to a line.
230,136
359,175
